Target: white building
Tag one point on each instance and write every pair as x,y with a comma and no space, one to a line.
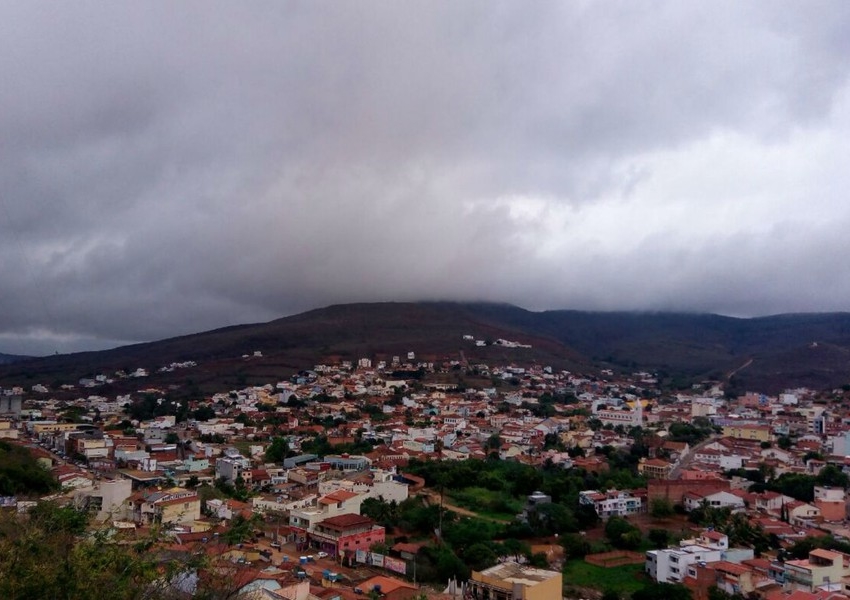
231,466
106,499
703,407
340,502
626,417
671,565
381,487
611,503
720,499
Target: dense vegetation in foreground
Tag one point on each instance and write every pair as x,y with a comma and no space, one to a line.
54,552
21,474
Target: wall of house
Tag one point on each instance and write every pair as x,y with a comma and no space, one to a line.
673,490
362,541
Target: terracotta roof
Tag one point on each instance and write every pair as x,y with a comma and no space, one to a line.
337,496
388,584
349,520
408,547
728,567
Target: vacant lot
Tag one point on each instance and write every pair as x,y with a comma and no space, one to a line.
624,580
488,503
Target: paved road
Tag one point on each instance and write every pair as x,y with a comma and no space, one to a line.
685,462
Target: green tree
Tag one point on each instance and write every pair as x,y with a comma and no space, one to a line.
661,508
715,593
277,451
46,556
575,545
552,517
832,476
667,591
240,530
622,534
21,474
659,538
802,548
203,413
479,556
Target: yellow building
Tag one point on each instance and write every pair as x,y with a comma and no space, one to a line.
759,433
823,567
512,581
39,428
654,468
176,505
7,431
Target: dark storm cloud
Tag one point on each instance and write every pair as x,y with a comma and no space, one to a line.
171,168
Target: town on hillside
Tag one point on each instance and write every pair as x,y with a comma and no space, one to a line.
397,477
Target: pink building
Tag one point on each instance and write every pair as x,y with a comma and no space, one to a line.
343,535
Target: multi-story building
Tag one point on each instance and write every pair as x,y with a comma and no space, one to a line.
760,433
347,462
105,499
303,521
7,431
232,466
730,577
823,569
627,417
671,565
380,485
831,502
655,468
611,503
343,535
512,581
176,505
92,445
10,403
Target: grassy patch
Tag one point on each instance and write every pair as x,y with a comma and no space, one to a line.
244,446
487,502
623,580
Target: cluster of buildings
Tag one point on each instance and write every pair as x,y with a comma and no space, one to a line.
707,561
142,472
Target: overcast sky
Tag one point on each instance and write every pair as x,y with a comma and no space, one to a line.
167,168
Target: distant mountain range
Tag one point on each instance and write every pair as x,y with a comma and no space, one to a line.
762,354
7,359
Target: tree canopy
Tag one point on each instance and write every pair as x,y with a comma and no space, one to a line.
21,474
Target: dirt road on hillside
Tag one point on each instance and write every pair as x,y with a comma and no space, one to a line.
432,497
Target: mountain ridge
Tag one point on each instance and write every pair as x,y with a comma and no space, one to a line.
785,350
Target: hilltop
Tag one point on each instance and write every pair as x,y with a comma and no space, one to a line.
766,354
